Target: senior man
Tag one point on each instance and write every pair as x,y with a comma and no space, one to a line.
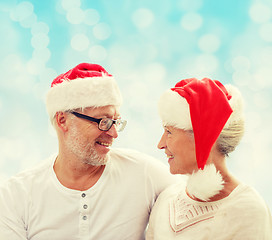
86,190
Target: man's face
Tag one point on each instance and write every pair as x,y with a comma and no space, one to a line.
86,141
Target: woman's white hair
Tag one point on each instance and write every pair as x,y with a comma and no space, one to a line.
233,131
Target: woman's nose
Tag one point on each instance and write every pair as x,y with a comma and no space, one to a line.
161,144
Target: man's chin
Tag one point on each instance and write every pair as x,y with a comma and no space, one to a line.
97,159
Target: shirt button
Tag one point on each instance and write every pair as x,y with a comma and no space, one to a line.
84,217
85,206
83,195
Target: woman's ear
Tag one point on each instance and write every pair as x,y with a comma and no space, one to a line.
61,121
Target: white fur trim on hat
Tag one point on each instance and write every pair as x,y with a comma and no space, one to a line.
206,183
82,93
174,110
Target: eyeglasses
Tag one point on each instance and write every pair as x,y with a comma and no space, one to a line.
104,124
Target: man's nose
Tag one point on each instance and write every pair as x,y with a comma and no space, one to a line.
112,131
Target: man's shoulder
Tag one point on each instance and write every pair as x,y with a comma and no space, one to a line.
134,159
132,155
174,189
29,175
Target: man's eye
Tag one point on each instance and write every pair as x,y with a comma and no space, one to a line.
167,131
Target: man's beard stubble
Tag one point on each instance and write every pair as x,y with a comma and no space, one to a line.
84,150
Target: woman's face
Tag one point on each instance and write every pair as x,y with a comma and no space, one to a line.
179,146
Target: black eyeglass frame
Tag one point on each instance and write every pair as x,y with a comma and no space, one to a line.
98,120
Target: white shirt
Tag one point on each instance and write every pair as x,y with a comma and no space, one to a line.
35,206
242,215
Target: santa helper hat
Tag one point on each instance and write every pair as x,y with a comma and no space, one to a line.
86,85
204,106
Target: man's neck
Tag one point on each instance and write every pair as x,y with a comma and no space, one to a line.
74,174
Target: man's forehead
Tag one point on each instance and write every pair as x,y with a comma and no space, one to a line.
108,111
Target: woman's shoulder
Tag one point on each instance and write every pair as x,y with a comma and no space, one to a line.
247,200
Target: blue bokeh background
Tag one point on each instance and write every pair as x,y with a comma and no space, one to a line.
148,45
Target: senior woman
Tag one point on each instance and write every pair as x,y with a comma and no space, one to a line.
203,122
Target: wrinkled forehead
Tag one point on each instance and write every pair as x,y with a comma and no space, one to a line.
110,111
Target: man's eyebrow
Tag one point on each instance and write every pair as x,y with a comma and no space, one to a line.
106,115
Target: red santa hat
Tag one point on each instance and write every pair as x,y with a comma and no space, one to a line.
204,106
86,85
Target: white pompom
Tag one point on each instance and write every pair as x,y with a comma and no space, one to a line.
205,183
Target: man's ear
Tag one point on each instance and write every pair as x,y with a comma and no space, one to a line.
61,121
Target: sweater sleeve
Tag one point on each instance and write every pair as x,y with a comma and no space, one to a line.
245,216
256,224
